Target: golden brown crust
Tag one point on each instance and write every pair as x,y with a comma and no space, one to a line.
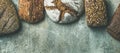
95,13
31,11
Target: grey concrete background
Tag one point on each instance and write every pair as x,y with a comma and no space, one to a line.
49,37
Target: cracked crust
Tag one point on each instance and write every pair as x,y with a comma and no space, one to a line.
63,8
114,27
31,11
95,13
9,22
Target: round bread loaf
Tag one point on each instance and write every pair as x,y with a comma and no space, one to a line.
64,11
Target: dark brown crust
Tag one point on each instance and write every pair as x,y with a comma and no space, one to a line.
31,11
114,27
9,22
63,9
95,13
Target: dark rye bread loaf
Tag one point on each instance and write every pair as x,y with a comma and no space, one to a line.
96,13
31,11
9,22
114,27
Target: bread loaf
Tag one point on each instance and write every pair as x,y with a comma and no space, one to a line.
64,11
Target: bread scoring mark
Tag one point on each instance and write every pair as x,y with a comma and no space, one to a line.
62,8
1,16
48,3
3,11
7,19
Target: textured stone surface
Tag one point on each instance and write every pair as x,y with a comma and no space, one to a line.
9,22
64,11
48,37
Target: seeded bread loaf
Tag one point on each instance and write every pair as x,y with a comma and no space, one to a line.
95,13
